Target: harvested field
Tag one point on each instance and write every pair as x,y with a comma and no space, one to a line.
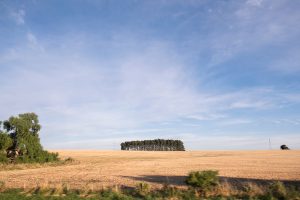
98,169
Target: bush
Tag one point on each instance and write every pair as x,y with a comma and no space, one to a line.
39,157
169,191
203,180
143,188
110,194
293,193
69,160
278,190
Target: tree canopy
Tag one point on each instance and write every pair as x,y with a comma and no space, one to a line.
19,138
284,147
153,145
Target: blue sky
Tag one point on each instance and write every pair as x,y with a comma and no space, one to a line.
216,74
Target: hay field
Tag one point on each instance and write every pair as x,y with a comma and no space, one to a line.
98,169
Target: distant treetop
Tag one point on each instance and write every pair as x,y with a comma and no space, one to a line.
284,147
153,145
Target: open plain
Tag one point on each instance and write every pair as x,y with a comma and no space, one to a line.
100,169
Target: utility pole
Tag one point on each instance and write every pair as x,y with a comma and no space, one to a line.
270,146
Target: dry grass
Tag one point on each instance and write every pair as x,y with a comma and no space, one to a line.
100,169
24,166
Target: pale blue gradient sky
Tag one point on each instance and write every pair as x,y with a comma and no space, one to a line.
215,74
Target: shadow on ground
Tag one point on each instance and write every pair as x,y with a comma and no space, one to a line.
180,180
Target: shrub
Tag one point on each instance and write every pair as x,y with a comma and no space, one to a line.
278,190
293,193
69,160
143,188
203,180
110,194
169,191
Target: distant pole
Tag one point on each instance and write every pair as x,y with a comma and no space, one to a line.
270,146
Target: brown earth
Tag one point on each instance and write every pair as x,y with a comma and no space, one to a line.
98,169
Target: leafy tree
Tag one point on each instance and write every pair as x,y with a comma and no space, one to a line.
24,143
5,142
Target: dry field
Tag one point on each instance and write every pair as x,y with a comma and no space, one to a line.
98,169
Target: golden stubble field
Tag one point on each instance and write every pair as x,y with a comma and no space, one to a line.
98,169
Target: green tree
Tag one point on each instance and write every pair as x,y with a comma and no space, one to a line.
24,133
5,142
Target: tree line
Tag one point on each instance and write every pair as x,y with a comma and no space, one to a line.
153,145
20,142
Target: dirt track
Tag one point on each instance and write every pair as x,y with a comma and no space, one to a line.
99,169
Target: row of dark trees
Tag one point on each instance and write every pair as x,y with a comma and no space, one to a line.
20,142
153,145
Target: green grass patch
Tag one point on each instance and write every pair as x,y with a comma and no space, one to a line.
276,191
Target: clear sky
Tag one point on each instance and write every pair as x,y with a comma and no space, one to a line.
216,74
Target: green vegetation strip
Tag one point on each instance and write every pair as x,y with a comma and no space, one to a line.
276,191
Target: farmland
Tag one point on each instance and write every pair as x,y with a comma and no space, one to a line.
101,169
